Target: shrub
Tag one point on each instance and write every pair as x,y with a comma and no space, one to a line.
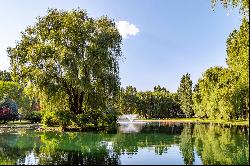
64,118
97,118
49,118
15,92
34,117
8,109
110,116
82,120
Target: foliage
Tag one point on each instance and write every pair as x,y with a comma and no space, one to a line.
238,62
242,4
15,92
34,117
49,118
97,118
68,64
70,55
110,116
55,110
185,95
64,118
128,100
238,51
82,120
212,94
8,109
224,92
157,104
5,76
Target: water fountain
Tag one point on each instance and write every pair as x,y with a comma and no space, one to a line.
128,124
130,117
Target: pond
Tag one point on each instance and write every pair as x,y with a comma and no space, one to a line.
131,143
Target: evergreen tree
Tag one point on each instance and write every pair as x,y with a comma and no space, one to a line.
185,95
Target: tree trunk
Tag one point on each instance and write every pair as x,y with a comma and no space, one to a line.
75,102
80,110
71,104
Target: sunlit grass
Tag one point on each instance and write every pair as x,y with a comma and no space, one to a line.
198,120
18,123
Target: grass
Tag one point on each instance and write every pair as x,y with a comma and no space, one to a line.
198,120
19,124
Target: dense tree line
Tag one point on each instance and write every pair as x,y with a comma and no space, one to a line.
221,92
159,103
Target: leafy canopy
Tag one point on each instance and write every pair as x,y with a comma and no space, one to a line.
67,52
242,4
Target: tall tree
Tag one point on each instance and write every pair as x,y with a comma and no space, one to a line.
185,95
67,52
238,63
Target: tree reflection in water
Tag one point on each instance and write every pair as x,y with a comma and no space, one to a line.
214,144
222,145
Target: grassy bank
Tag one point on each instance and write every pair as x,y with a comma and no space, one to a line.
197,120
40,127
18,124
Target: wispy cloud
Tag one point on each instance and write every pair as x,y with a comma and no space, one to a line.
127,29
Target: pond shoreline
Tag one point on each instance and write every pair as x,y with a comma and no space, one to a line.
32,126
17,125
40,127
195,120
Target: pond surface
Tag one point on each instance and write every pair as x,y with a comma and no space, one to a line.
131,143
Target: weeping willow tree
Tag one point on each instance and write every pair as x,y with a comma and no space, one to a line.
70,56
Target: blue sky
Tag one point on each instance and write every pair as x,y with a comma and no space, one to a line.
172,37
